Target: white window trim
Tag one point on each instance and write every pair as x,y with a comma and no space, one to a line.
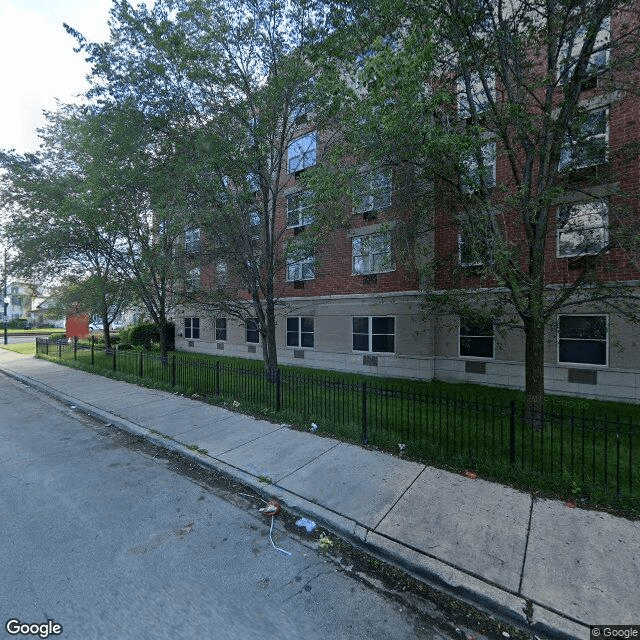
301,221
559,231
577,47
493,345
466,264
570,166
215,328
370,329
392,267
462,99
193,279
298,158
192,240
191,318
298,265
369,191
582,364
490,159
300,332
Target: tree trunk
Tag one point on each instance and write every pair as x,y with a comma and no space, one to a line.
105,330
163,343
534,372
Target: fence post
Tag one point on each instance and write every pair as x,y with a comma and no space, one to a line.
217,377
512,432
75,347
140,365
173,371
93,346
278,383
365,435
114,357
60,349
47,347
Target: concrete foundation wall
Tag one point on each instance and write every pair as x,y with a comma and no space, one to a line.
427,348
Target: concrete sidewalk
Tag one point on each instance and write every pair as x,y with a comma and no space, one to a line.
536,561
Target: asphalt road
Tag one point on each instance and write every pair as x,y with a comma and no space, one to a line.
112,542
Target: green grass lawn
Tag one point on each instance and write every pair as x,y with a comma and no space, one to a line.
587,449
28,348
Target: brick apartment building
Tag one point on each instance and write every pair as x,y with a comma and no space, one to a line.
357,304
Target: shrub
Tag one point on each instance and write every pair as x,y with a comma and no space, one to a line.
17,323
145,335
125,346
57,336
142,335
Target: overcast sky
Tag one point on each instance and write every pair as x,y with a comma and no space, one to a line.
37,61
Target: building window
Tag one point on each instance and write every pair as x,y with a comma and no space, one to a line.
468,254
301,153
476,339
253,331
222,274
473,99
374,334
300,332
589,145
373,191
582,339
193,279
192,328
300,267
582,228
253,182
372,254
475,175
192,240
221,328
572,47
300,209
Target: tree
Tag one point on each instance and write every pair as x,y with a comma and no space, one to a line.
60,228
451,88
223,88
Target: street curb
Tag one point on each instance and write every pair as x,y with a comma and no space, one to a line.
473,590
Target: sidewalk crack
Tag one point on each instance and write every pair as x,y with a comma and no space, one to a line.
526,546
398,500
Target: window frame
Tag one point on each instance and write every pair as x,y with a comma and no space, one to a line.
366,188
488,179
298,332
477,336
604,227
217,329
605,341
370,256
370,334
301,219
567,59
294,270
461,242
192,281
569,146
303,158
462,99
255,327
193,328
192,240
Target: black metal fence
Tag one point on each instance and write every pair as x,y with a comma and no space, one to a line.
588,452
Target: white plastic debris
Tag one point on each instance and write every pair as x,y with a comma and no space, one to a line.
309,525
314,427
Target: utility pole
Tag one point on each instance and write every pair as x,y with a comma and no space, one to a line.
6,298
